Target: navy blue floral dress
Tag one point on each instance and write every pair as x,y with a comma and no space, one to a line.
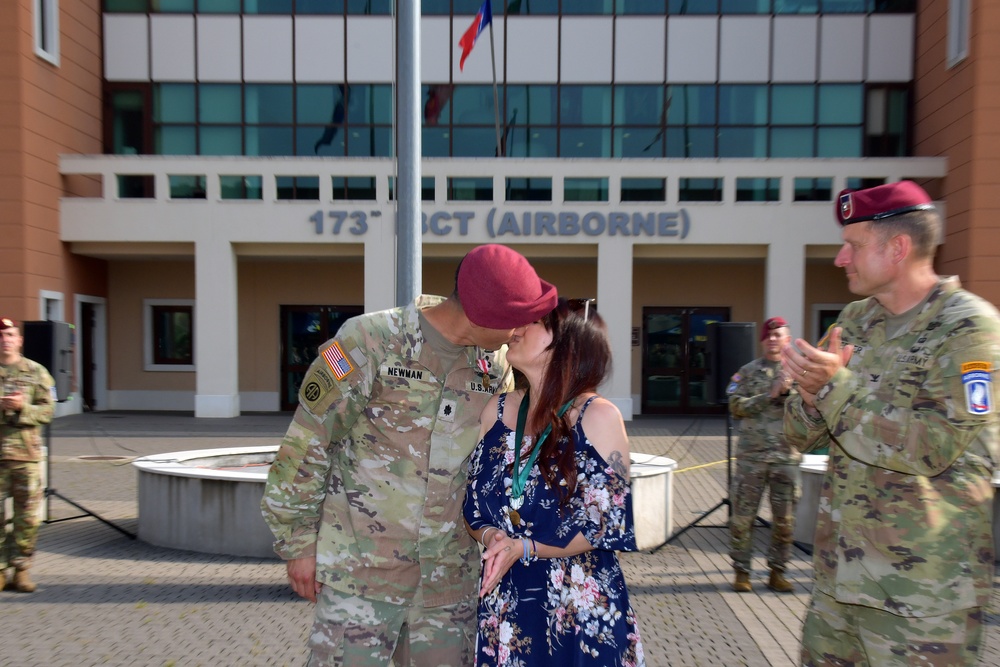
558,611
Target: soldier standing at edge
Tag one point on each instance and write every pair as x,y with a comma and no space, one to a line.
903,395
27,403
757,394
365,495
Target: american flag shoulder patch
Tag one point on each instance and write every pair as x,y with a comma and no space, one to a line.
337,361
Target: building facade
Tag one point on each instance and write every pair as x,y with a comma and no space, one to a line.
205,188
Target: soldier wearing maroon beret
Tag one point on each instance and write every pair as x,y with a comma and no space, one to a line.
902,393
365,495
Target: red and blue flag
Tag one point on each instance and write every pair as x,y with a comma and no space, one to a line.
483,19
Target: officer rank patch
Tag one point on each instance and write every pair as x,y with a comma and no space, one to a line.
977,380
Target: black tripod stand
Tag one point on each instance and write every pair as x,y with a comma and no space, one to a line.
725,502
52,493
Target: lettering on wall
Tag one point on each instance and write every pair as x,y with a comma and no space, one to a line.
539,224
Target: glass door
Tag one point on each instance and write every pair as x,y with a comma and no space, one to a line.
303,330
675,370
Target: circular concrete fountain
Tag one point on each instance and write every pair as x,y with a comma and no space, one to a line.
206,500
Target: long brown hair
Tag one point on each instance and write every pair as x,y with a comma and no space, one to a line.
580,360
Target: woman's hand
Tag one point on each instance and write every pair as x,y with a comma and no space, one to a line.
501,553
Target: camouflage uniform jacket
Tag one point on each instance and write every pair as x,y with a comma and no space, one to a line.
905,514
371,475
20,432
762,429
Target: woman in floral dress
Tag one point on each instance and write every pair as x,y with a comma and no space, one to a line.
551,520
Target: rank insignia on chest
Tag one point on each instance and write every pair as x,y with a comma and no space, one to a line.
977,378
446,412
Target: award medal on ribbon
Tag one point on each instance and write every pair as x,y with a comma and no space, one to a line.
484,366
519,476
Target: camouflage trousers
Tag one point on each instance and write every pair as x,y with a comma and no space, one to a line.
22,482
354,632
848,635
749,481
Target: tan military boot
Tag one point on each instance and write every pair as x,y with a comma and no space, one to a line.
22,582
742,583
778,583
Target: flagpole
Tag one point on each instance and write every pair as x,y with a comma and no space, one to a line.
496,97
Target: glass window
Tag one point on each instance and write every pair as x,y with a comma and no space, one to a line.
959,14
241,187
377,7
813,189
585,105
319,6
529,189
639,142
796,6
743,142
693,6
588,7
174,103
838,142
793,105
585,189
128,136
792,142
746,6
186,186
535,7
185,6
220,140
846,6
691,105
859,183
470,189
639,105
354,187
268,140
887,123
534,105
435,142
136,186
269,103
219,6
644,189
437,103
267,6
640,7
473,105
370,141
176,140
171,333
426,188
758,189
369,104
219,103
592,142
475,142
126,5
297,187
700,189
435,7
743,105
691,141
532,142
840,104
47,30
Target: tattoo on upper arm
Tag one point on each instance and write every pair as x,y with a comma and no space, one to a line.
617,463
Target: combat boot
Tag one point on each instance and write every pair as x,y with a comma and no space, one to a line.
742,582
778,583
22,582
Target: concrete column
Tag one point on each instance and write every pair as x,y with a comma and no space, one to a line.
216,348
380,266
614,301
786,284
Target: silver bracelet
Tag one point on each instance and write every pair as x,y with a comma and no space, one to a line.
482,536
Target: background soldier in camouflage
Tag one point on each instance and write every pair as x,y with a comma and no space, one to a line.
764,458
903,393
365,495
26,402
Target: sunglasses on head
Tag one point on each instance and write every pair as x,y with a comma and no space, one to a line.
577,305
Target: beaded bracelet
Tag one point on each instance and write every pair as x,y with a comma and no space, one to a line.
525,559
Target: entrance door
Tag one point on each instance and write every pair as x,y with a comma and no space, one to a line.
87,364
303,330
675,359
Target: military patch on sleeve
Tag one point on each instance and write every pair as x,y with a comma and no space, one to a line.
733,383
978,381
338,363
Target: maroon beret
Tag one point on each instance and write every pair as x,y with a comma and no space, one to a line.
7,323
880,202
499,289
772,324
